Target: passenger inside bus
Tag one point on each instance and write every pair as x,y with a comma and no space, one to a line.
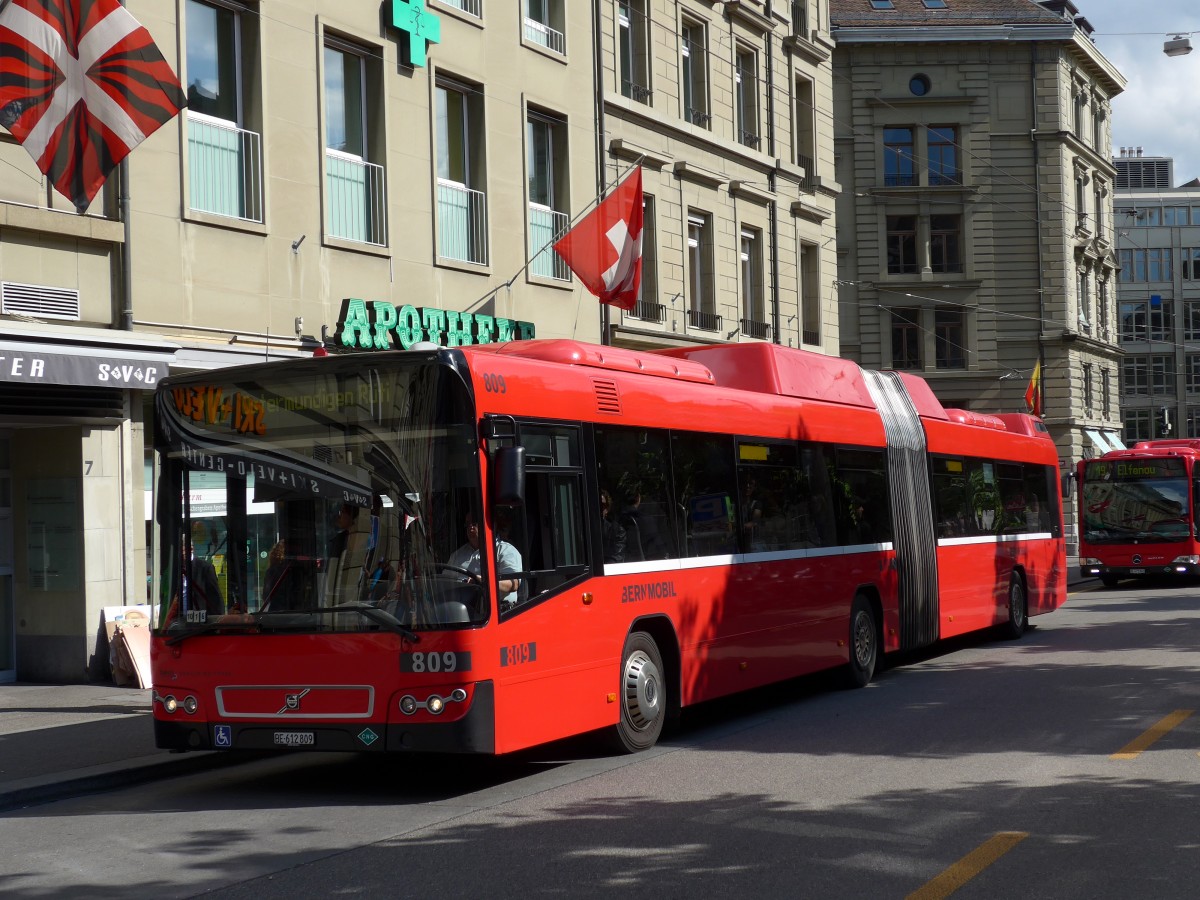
612,533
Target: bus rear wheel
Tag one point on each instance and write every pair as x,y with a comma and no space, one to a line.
1018,609
643,695
864,643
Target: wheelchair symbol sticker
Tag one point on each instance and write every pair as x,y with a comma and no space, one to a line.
223,736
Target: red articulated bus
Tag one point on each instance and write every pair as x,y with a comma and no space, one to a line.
1138,511
484,548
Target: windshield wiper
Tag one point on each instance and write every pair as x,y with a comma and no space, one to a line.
381,617
206,628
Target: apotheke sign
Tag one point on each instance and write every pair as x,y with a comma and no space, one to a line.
379,325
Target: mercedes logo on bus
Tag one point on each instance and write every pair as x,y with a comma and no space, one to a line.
1137,559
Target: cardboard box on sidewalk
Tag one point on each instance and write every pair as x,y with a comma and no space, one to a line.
128,631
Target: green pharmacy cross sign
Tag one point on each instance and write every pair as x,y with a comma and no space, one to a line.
422,26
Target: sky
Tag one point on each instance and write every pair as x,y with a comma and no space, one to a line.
1157,111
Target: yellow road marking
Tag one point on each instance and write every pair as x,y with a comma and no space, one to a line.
969,866
1144,740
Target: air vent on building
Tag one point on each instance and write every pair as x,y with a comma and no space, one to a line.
323,453
608,398
39,300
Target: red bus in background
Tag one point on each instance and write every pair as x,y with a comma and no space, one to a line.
483,548
1137,511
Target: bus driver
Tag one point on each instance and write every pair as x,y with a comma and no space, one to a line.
508,560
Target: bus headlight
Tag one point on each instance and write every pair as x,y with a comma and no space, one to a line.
170,704
408,704
435,705
190,705
1185,561
1089,561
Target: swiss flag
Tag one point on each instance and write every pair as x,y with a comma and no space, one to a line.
605,248
81,85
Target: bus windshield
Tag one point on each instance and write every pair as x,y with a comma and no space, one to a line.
1135,500
325,497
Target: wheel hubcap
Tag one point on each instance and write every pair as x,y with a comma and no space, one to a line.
1016,605
864,644
642,693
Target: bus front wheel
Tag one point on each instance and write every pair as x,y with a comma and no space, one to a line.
643,694
864,643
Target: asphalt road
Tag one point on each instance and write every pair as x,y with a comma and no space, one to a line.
1064,765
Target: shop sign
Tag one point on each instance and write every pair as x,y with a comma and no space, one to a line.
123,370
379,325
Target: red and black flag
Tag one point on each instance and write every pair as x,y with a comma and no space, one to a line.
81,85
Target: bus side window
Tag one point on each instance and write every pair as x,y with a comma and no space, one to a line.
635,464
950,497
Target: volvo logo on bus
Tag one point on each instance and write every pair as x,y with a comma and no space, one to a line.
1137,559
291,702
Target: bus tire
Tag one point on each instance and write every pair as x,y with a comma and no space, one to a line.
643,695
1109,581
1018,609
864,643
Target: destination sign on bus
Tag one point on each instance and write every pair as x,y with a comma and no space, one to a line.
1135,469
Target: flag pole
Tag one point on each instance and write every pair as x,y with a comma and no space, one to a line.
553,240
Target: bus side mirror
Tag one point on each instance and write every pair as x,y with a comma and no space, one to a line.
1067,478
508,477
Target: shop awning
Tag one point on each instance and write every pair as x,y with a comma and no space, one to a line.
85,357
1097,438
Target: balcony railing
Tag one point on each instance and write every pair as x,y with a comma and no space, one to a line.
748,138
635,91
541,33
940,179
545,227
899,179
706,321
462,223
649,312
470,7
357,198
224,169
755,329
806,163
698,117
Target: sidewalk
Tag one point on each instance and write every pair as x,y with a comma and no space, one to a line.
79,738
57,740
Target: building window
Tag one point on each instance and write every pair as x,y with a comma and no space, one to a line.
1162,375
1191,373
906,338
898,165
754,312
1139,265
1081,212
949,338
810,294
919,85
902,245
935,4
1189,262
800,18
461,161
1162,320
1080,108
702,306
1135,376
633,37
1087,388
1085,301
694,74
945,243
943,155
881,4
1193,421
546,152
1134,325
1098,131
544,24
355,187
1098,208
1105,393
1104,329
1191,320
648,308
805,132
1138,426
745,76
1175,215
224,153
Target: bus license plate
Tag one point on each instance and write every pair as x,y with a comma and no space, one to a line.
295,738
1137,571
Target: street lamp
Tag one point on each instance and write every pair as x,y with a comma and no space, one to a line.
1180,45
